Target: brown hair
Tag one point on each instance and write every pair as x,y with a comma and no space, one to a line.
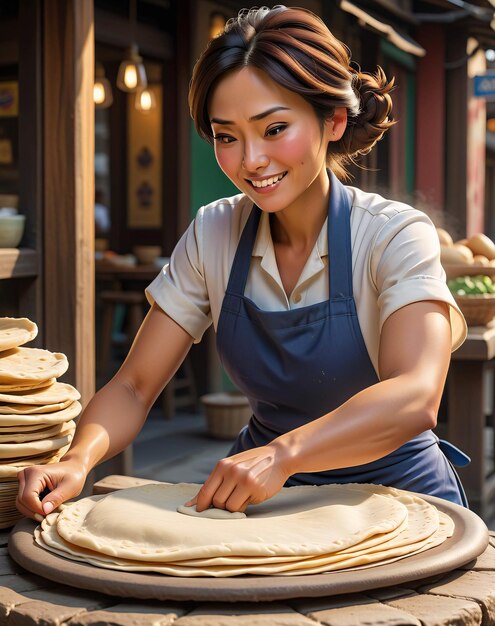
296,49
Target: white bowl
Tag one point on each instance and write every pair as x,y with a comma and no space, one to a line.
11,230
146,255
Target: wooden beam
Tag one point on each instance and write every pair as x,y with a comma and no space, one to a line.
68,42
114,30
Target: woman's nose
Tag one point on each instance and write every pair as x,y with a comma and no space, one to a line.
254,158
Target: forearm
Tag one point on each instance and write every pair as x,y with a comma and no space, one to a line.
368,426
110,422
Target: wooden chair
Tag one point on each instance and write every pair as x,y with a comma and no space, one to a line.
134,303
181,391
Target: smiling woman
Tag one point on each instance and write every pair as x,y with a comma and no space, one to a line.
310,285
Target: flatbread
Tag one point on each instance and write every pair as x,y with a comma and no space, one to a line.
43,419
58,392
142,523
415,537
31,365
11,468
55,430
47,536
33,448
15,387
33,409
16,331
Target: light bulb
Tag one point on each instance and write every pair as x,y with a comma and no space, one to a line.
130,77
98,93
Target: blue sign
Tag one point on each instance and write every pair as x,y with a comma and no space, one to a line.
484,86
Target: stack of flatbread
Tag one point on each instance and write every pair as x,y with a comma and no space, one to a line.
301,530
36,411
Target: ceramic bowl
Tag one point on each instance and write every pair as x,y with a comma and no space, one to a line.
11,230
147,254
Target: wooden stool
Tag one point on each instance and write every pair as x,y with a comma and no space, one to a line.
133,301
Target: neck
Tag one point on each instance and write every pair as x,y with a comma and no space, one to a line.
299,226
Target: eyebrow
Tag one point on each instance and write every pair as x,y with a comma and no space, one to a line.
254,118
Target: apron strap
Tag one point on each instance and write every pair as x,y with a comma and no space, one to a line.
339,241
242,259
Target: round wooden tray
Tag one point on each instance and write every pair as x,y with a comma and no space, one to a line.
470,539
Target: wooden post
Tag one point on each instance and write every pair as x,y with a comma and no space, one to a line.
68,207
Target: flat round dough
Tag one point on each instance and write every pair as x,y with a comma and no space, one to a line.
142,523
33,448
58,392
15,387
32,409
56,430
16,331
10,469
43,419
24,366
359,556
211,513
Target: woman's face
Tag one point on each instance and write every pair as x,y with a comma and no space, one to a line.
269,141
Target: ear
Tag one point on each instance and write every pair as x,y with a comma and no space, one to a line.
335,126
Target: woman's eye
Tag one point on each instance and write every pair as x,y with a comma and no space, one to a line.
276,130
223,138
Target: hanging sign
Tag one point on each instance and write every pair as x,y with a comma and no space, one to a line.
484,86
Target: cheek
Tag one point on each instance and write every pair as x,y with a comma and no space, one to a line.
227,160
296,148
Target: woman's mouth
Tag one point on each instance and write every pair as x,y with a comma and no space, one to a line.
267,184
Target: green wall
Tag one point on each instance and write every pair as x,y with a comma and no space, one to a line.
208,182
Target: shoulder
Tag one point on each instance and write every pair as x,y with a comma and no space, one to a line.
225,215
375,218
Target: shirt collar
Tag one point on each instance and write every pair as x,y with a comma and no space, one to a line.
264,238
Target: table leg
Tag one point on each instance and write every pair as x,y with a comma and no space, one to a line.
466,426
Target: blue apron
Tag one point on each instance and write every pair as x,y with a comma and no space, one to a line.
295,366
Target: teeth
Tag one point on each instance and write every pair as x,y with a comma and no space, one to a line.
267,181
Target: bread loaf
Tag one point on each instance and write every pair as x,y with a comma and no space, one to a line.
456,254
479,259
444,237
481,244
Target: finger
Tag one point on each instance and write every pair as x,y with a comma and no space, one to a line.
191,502
34,484
238,499
205,495
23,510
223,493
22,483
54,498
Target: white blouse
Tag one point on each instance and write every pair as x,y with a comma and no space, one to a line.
395,261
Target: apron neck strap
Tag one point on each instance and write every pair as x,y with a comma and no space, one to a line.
339,240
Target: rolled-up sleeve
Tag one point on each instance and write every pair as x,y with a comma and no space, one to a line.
180,287
406,268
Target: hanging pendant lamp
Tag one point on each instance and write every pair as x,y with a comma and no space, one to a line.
132,75
102,91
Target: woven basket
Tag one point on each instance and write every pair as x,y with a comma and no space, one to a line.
478,309
226,413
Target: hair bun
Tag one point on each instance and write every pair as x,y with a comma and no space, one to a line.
375,117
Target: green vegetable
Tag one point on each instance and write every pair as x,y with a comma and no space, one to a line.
471,285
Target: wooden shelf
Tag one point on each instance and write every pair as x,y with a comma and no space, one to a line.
18,263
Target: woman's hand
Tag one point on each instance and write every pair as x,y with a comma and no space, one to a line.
63,480
249,477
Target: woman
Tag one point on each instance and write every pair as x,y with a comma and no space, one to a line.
330,304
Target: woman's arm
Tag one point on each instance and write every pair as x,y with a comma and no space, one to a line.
113,417
413,361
